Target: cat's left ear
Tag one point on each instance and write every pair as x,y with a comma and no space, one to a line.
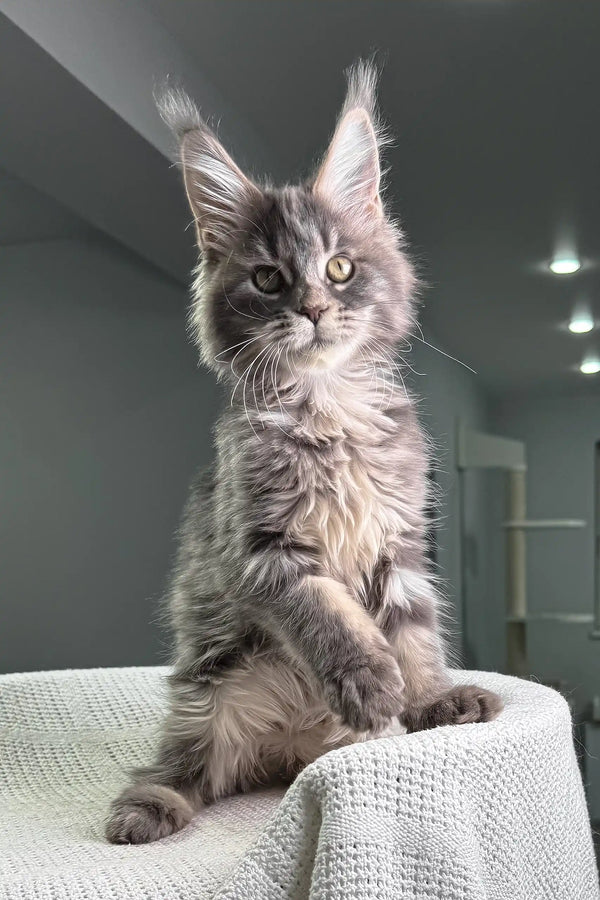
350,174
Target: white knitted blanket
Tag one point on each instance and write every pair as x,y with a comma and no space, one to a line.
479,811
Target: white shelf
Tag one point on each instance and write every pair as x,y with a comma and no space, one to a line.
565,617
532,524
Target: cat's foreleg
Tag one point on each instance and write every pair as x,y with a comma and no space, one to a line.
347,651
409,604
317,620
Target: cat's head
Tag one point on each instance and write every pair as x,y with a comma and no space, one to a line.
312,275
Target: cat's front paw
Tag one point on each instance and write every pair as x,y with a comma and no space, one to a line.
369,695
145,813
462,704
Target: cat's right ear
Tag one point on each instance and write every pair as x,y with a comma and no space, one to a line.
220,195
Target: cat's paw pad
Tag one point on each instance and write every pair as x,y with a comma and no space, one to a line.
461,705
145,813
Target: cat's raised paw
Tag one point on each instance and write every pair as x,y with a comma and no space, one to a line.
369,695
145,813
461,705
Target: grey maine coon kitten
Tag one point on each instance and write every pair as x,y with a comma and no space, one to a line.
304,613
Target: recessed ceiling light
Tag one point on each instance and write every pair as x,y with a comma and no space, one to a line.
581,323
590,366
565,265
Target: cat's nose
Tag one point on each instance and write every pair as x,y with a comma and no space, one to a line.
314,311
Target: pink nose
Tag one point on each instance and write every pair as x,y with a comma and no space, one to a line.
314,311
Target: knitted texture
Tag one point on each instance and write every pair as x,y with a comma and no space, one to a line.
491,811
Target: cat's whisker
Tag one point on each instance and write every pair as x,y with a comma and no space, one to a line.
391,362
373,371
269,364
421,338
443,352
373,382
226,295
238,382
271,358
367,366
284,412
232,363
239,311
244,387
290,364
233,346
406,363
391,367
267,351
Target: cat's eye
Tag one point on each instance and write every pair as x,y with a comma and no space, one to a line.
340,269
268,279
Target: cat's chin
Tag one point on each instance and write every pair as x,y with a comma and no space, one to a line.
324,355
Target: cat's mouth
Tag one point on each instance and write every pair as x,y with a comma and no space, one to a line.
323,340
324,350
320,344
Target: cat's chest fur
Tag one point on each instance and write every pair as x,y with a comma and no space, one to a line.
349,505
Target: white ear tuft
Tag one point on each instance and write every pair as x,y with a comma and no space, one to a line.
350,174
220,195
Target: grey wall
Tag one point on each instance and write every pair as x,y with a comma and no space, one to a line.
104,418
560,433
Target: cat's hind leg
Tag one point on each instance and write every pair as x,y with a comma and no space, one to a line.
162,798
221,736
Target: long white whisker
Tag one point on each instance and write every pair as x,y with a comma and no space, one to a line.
266,350
240,379
233,346
374,375
406,363
393,368
232,363
283,412
248,370
453,358
234,308
239,311
271,359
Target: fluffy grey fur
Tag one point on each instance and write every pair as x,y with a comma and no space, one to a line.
304,613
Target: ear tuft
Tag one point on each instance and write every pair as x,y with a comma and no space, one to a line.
350,174
362,79
220,195
178,111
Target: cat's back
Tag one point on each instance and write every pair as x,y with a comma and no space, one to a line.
196,529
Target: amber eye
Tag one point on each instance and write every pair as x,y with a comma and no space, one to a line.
268,279
340,269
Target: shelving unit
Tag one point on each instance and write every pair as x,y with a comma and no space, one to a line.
476,450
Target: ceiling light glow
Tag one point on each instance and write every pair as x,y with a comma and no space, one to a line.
590,366
581,323
565,265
